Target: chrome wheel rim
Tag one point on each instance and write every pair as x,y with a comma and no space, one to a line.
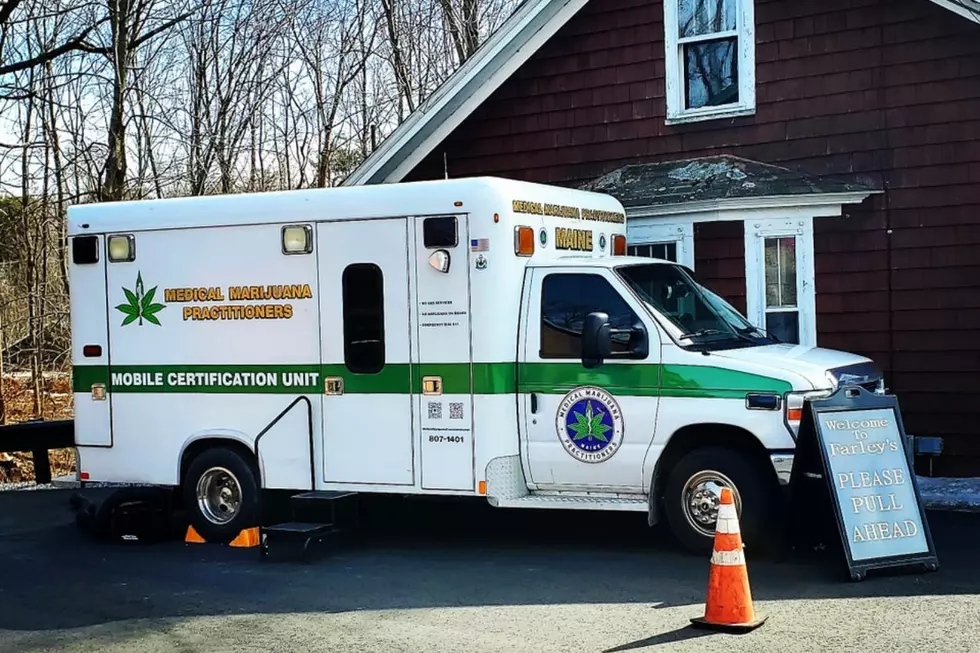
219,495
701,498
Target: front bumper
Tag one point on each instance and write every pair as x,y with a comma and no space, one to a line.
783,464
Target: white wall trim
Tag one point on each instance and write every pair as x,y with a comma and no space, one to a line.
762,217
756,231
680,232
967,8
817,204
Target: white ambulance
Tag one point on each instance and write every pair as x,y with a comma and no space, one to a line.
474,337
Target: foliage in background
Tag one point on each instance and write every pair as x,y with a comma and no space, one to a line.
104,100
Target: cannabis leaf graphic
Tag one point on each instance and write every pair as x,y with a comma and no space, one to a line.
589,425
140,304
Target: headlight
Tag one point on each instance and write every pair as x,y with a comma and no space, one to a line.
794,407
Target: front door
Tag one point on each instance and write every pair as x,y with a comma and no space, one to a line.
365,351
584,429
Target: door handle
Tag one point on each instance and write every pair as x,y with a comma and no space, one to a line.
534,402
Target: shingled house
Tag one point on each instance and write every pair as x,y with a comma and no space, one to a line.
816,162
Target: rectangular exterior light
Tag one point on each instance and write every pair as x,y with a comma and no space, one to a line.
297,239
524,241
122,248
619,245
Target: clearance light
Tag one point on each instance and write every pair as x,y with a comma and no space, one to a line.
98,392
439,260
83,476
524,241
619,245
122,249
483,487
297,239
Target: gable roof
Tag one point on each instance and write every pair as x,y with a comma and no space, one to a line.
527,30
966,8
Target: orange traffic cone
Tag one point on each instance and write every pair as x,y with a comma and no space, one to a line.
729,606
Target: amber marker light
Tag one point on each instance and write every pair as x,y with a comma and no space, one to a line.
524,241
619,245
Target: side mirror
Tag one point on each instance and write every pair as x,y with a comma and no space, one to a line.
596,340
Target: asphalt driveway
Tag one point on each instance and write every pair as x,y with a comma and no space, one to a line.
456,578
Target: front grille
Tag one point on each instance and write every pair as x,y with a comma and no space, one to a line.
871,386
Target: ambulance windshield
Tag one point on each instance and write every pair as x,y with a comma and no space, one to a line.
700,318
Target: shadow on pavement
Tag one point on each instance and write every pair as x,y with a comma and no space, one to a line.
414,555
674,636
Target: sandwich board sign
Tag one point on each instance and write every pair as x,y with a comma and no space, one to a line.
855,443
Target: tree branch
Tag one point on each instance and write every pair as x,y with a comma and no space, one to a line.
74,44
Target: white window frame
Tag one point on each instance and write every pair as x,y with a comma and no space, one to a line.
681,234
757,231
676,86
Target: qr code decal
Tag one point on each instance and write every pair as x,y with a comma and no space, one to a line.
435,410
456,410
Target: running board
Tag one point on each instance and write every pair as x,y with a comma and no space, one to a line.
573,502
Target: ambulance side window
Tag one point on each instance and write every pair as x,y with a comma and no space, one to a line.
565,301
364,318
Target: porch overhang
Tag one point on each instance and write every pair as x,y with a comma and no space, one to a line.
727,188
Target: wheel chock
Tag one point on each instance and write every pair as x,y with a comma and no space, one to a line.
192,537
247,539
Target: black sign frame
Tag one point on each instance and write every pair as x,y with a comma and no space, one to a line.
812,462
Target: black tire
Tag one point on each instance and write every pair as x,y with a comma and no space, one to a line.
243,474
756,492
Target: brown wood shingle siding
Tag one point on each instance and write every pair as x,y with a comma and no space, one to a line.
887,90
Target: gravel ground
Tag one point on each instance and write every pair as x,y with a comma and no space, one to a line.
456,577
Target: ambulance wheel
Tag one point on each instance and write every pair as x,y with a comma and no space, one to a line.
221,495
692,495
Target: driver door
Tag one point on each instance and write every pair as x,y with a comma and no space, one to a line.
584,429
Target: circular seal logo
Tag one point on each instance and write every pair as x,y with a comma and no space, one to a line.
543,237
590,424
602,242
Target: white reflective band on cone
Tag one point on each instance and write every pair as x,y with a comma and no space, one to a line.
728,558
727,525
727,511
727,521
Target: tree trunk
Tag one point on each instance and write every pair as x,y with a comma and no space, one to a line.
3,405
113,187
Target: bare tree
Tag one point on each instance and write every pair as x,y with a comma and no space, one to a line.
132,23
334,41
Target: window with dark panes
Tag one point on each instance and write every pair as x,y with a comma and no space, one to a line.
85,250
710,57
566,300
782,307
364,318
709,39
439,232
664,251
